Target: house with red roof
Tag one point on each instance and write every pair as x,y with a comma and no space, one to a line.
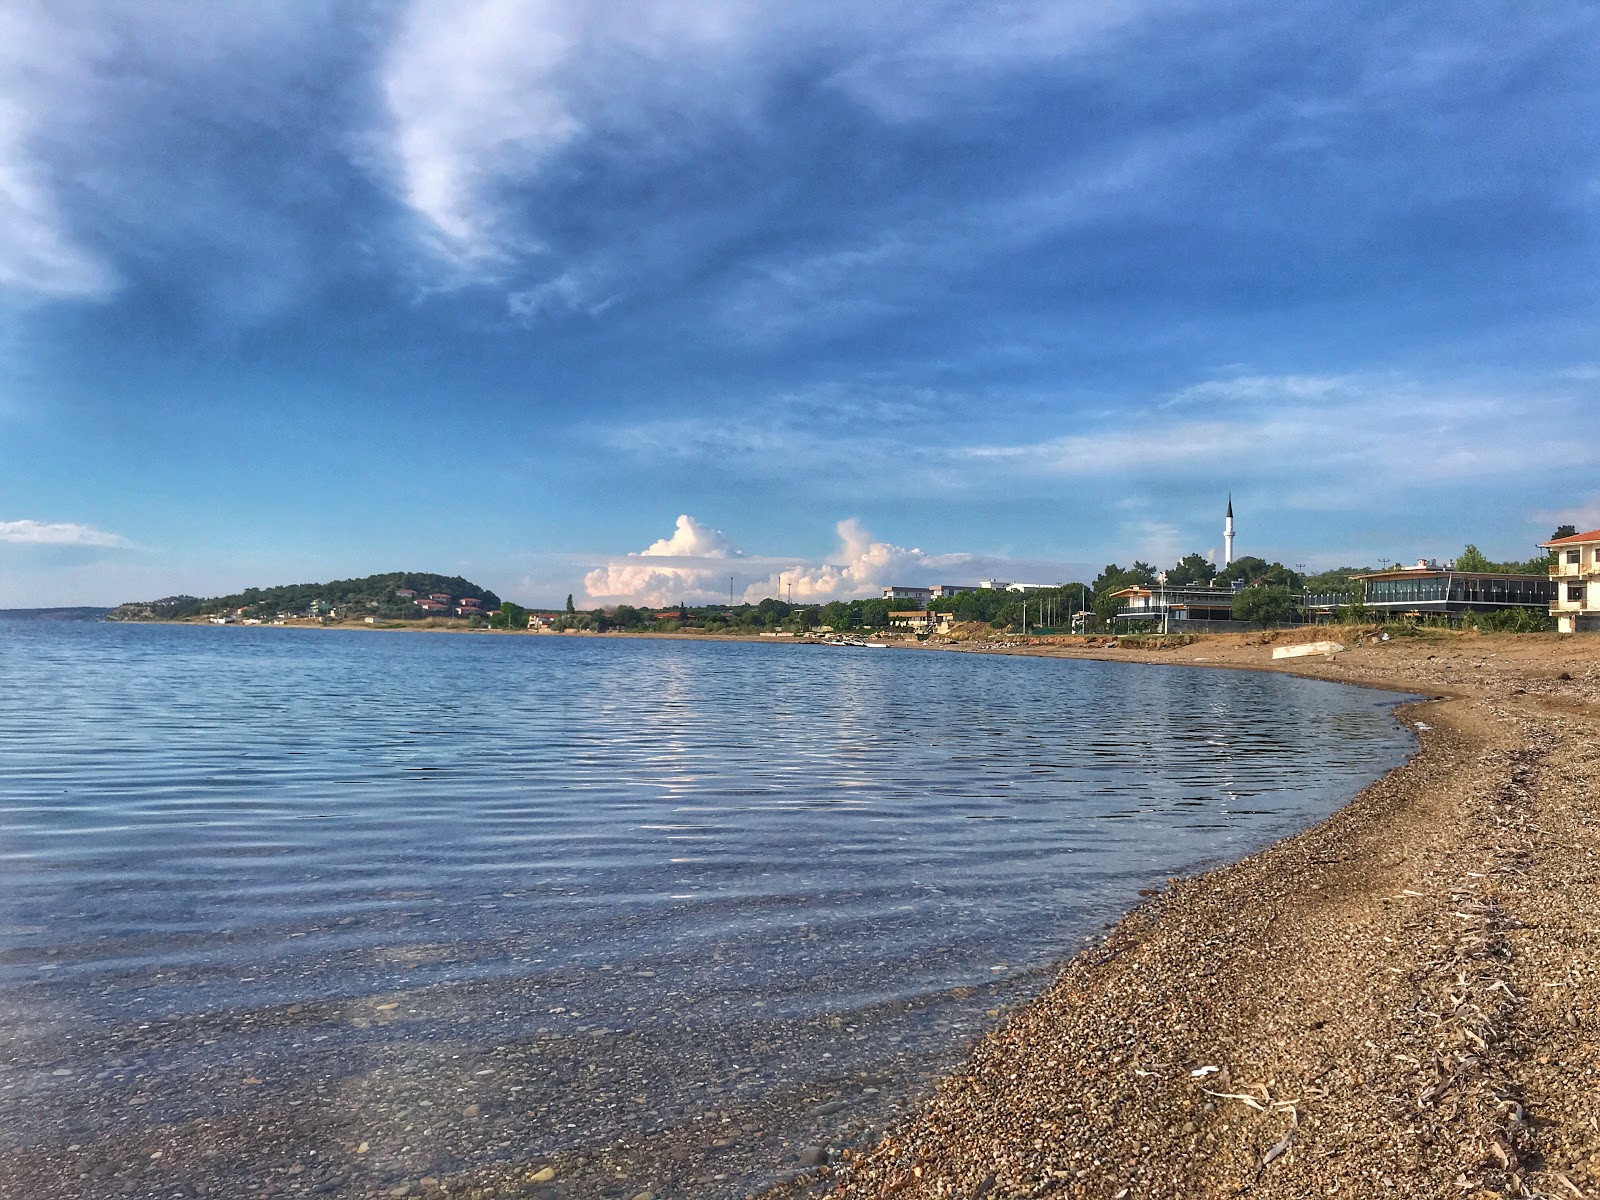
1576,574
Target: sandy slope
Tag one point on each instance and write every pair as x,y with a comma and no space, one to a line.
1401,1001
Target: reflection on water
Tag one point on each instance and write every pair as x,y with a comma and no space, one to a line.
665,911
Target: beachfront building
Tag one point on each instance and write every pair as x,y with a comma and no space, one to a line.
1429,589
941,590
921,621
1195,606
1575,581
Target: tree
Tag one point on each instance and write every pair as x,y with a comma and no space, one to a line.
1472,559
1263,605
510,616
1192,569
1564,531
570,608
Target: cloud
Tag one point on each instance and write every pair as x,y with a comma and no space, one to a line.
862,568
567,294
491,107
695,564
482,95
1585,515
691,539
61,533
40,256
1309,429
689,565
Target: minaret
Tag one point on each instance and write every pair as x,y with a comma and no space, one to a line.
1227,535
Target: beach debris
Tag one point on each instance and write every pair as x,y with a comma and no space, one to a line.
1282,1147
1202,1072
1326,649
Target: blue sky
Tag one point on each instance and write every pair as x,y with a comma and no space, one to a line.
625,299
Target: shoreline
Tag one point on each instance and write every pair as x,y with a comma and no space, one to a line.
1399,1000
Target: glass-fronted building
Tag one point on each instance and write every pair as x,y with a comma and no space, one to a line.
1442,592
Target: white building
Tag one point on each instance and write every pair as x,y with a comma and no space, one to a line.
1576,572
918,595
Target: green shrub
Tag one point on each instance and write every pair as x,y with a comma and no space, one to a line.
1512,620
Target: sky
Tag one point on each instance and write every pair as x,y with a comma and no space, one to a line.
659,302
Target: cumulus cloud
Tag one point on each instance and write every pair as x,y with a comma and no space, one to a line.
862,568
59,533
696,562
689,565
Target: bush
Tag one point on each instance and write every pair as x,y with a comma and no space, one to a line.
1512,620
1264,605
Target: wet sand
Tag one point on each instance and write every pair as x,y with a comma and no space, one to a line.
1400,1001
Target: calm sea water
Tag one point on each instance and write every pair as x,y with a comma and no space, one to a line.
294,912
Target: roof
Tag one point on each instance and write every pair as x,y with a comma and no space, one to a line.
1592,536
1441,572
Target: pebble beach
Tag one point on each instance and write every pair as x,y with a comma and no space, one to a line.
1400,1001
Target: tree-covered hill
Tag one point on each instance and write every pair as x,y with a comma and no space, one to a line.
375,595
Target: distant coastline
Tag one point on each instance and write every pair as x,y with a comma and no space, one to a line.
81,613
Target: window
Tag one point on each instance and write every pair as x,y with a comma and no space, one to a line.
1575,593
1572,556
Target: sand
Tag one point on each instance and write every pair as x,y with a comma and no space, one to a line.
1401,1001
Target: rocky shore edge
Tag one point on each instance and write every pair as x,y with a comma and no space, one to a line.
1400,1001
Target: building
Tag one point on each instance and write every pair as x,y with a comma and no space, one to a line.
1575,581
920,621
405,593
917,595
941,590
1195,605
1429,589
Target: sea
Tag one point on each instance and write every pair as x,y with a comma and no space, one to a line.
293,912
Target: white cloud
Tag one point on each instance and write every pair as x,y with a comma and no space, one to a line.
40,258
484,97
1585,516
689,565
691,539
862,568
483,94
696,563
60,533
1315,431
568,293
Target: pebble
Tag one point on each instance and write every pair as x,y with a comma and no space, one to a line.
543,1175
813,1156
